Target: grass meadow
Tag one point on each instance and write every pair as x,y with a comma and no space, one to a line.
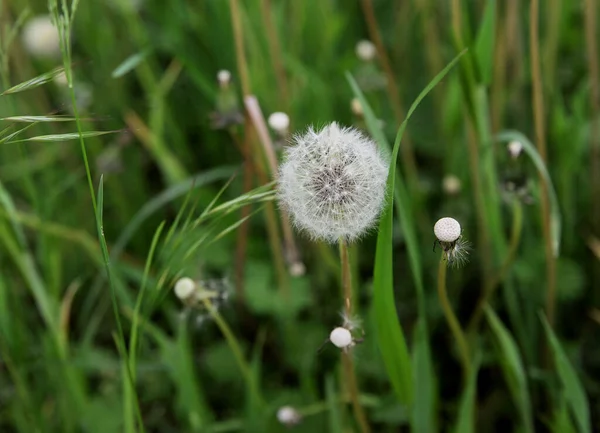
151,281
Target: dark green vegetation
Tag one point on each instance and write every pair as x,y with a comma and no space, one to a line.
111,192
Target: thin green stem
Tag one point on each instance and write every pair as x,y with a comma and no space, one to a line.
348,364
515,238
453,322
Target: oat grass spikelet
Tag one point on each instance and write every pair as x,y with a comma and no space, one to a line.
332,182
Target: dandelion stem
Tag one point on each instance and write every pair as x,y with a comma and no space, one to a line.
515,238
348,364
453,322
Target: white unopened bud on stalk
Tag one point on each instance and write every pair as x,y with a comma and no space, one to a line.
341,338
41,38
185,288
365,50
288,416
332,182
447,230
223,77
279,122
514,148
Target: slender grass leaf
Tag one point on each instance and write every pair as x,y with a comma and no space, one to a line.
573,389
530,150
512,367
423,418
30,119
465,422
130,63
65,137
391,341
35,82
335,416
484,45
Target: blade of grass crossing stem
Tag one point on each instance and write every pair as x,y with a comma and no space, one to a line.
423,417
573,389
465,422
530,150
120,337
512,367
391,341
484,44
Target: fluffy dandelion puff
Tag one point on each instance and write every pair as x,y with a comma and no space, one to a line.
447,229
341,337
279,121
185,288
288,416
41,38
514,148
223,77
332,183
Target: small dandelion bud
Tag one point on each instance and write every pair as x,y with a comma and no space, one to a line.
224,77
451,184
332,183
341,337
185,288
514,148
41,38
279,122
365,50
447,230
356,107
288,416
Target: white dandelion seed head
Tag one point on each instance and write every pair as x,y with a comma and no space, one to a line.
515,148
279,122
451,184
458,254
185,288
365,50
223,77
40,37
341,337
447,229
288,416
332,182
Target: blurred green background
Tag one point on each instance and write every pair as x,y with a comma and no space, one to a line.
180,142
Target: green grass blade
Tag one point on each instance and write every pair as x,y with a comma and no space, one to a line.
129,64
530,150
465,422
391,341
65,137
573,389
49,118
512,367
34,82
423,418
333,405
484,45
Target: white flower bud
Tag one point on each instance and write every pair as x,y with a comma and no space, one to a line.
341,337
514,148
185,288
223,77
288,416
297,269
447,230
279,122
356,107
41,38
451,184
365,50
332,183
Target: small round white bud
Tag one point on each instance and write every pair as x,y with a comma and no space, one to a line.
223,77
288,416
341,337
332,183
356,107
297,269
41,38
279,122
447,229
365,50
514,148
185,288
451,184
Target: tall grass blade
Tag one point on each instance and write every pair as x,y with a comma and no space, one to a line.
484,44
573,389
466,412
